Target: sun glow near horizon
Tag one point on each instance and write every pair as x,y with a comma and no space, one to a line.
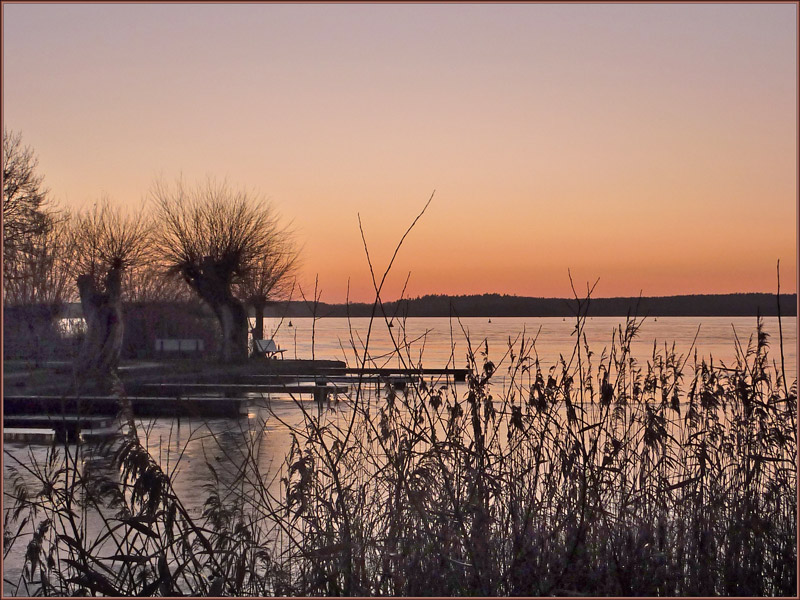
651,146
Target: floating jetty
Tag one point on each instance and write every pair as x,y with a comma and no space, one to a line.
456,374
29,435
38,428
41,407
234,390
334,367
398,382
144,406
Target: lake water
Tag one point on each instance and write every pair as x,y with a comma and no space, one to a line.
440,341
434,342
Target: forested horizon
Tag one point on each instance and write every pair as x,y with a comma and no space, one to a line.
504,305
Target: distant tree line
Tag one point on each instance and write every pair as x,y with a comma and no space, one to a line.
497,305
209,243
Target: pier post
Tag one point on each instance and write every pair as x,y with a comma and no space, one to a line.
320,392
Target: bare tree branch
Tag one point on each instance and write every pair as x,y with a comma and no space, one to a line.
106,238
35,245
25,202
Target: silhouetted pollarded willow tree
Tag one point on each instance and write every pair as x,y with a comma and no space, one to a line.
271,279
107,243
216,237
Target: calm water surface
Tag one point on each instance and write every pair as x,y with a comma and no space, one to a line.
441,341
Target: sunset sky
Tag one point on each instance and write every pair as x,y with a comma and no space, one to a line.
651,146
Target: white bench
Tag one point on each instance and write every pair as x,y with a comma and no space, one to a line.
180,346
267,348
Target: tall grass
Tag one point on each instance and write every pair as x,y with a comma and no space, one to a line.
612,478
602,475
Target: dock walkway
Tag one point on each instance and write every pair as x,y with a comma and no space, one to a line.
457,374
233,389
61,427
39,396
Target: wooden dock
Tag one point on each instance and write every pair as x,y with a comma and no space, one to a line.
162,400
181,389
40,406
33,427
456,374
28,435
398,382
306,368
145,406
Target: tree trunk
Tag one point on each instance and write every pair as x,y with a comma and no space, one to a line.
258,330
212,283
233,320
102,311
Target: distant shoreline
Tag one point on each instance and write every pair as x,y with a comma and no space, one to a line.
497,305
